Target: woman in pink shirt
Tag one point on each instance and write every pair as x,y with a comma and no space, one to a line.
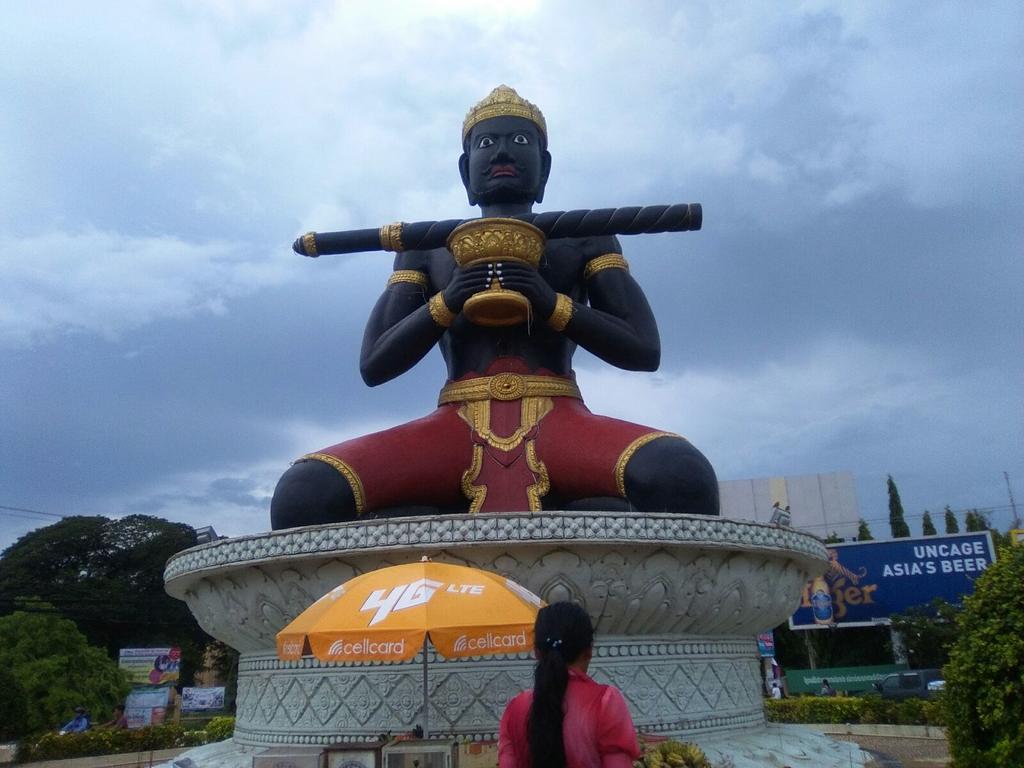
567,720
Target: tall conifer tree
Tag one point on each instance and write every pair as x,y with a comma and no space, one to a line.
897,523
927,526
975,521
952,526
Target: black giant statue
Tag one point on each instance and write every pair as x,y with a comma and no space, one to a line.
507,309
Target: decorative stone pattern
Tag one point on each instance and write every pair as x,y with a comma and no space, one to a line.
674,688
676,601
429,532
671,575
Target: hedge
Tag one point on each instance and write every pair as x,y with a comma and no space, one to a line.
112,741
859,709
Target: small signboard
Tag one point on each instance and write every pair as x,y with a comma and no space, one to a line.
766,645
147,705
202,699
868,581
151,666
848,679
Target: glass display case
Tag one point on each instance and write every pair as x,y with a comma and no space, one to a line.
419,754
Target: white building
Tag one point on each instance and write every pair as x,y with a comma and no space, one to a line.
819,504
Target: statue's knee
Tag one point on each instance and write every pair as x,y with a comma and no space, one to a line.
309,493
670,475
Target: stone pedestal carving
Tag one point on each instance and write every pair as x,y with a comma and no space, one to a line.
676,602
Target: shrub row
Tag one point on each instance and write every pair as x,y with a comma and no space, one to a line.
860,709
110,741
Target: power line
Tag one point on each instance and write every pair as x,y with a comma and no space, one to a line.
8,510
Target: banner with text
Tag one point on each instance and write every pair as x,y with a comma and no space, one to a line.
151,666
848,679
201,699
868,581
147,705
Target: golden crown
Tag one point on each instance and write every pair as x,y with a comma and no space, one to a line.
503,102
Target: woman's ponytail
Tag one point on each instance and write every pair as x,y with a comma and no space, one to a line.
561,634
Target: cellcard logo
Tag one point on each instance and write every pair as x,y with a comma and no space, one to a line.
367,647
290,647
489,642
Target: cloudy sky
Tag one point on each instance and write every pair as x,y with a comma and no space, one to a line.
854,301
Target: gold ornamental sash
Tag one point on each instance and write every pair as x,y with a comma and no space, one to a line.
507,386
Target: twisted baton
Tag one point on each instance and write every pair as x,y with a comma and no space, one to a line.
424,235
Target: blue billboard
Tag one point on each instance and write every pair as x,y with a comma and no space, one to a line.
868,581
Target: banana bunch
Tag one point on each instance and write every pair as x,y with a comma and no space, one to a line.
672,754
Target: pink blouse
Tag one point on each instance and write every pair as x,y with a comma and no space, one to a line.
597,730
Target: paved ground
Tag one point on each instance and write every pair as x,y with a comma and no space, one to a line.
901,752
889,752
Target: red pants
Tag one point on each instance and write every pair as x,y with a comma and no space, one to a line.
502,455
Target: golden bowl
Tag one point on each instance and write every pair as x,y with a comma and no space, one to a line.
496,239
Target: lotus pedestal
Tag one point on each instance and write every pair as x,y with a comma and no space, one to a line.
676,602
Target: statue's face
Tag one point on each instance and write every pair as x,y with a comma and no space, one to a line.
505,162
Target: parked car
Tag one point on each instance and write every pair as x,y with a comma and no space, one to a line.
914,683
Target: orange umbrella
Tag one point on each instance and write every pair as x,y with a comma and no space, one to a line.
387,615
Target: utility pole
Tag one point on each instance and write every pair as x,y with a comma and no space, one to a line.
1013,504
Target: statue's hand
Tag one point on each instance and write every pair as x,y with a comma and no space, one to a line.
464,283
517,276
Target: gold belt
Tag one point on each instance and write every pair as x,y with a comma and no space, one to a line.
507,386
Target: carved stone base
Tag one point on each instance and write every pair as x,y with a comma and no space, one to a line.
673,687
676,602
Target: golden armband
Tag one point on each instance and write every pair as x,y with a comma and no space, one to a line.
391,237
439,311
413,276
562,313
309,243
607,261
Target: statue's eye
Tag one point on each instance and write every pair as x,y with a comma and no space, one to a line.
520,138
485,141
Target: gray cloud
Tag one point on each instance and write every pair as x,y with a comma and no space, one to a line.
852,302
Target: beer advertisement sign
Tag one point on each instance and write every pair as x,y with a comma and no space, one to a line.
868,581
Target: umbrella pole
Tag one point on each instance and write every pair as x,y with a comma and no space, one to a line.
426,703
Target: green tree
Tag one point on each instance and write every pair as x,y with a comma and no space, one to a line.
223,660
848,647
106,576
56,669
927,526
834,538
1000,539
13,707
929,631
897,523
984,687
975,521
952,526
863,532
